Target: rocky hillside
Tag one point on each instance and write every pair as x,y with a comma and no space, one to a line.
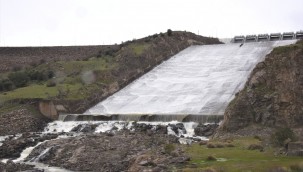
14,58
272,96
76,78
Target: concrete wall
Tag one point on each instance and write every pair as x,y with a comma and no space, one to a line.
48,109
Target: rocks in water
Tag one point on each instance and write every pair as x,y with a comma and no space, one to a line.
85,128
178,128
102,152
10,166
12,148
206,130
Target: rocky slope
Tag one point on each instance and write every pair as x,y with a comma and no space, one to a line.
20,57
22,119
272,96
84,76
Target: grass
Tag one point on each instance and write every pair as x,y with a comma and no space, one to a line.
41,91
69,75
139,48
238,158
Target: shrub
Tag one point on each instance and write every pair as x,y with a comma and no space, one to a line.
208,170
211,158
17,68
203,142
6,85
229,145
258,138
297,167
219,145
19,79
255,147
169,148
281,135
42,61
210,145
51,83
169,32
50,74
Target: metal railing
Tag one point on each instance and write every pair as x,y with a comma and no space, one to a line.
268,37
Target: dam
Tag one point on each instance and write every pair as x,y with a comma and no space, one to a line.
197,83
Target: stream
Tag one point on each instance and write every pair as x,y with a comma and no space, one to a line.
186,135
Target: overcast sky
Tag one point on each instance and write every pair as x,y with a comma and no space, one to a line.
87,22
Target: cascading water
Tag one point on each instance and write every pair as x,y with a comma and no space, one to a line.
200,81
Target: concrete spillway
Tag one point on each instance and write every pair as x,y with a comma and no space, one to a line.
200,80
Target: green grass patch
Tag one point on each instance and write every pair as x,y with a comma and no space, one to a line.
41,91
238,158
69,79
138,49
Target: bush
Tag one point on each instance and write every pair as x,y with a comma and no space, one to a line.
169,148
297,167
229,145
50,74
19,79
210,145
211,158
258,138
6,85
17,68
51,83
203,142
219,145
281,135
255,147
169,32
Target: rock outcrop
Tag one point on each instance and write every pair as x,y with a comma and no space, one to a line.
118,151
273,95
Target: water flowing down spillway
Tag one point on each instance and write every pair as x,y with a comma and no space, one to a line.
200,80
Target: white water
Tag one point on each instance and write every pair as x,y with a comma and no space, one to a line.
36,159
26,152
2,138
200,80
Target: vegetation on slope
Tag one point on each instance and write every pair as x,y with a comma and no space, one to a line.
83,81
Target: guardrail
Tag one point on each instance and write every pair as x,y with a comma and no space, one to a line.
268,37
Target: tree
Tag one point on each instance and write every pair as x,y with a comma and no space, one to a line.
19,79
169,32
6,85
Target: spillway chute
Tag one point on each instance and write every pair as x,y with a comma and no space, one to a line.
195,85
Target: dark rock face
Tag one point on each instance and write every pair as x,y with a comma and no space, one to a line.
206,130
20,121
12,148
273,94
177,128
13,167
85,128
136,151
